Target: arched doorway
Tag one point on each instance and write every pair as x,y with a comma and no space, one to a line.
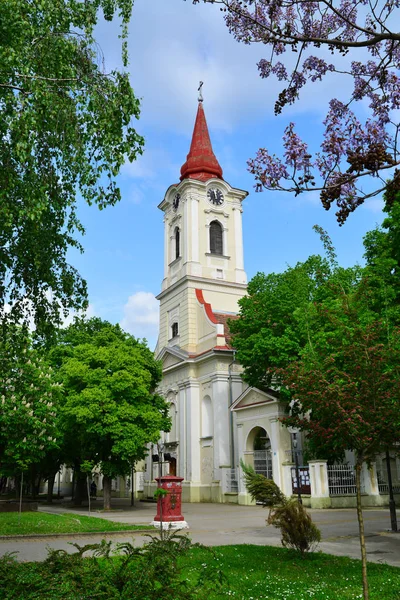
259,444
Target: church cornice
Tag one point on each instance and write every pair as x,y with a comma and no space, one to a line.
201,280
200,186
187,359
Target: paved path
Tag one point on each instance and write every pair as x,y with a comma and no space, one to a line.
222,524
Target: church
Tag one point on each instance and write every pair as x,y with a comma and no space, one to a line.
216,418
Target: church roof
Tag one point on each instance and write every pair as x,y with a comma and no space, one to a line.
223,319
201,162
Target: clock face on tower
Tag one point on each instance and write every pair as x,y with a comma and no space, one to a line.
175,202
215,196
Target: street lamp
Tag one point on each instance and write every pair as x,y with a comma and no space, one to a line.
294,433
392,504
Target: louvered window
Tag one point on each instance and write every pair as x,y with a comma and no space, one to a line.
174,329
177,243
216,245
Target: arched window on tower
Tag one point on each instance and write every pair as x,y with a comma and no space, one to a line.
174,330
216,244
177,242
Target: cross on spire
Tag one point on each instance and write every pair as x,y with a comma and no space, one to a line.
200,91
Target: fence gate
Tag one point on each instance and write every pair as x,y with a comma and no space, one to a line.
304,477
342,480
263,463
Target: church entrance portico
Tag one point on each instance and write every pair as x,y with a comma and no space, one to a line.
259,452
263,442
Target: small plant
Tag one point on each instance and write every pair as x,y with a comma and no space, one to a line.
162,569
160,493
297,529
260,488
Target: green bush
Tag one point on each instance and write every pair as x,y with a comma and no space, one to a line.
297,529
260,488
151,572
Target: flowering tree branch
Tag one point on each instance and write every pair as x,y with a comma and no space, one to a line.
351,149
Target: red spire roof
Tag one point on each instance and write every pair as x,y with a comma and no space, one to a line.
201,163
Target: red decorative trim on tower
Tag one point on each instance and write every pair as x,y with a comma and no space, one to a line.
207,306
201,163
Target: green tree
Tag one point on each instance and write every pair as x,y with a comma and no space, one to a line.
382,254
65,131
29,396
346,385
111,410
277,317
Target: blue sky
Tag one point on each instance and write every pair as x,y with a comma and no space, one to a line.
173,45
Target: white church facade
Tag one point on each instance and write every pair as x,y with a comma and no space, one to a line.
216,418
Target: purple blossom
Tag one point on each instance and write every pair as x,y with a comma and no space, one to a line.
349,145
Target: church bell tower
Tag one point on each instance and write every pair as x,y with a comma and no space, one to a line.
203,247
204,279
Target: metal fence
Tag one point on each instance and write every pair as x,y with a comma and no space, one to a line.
231,481
383,482
263,462
342,480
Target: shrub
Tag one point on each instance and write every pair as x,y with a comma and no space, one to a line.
151,572
260,488
297,529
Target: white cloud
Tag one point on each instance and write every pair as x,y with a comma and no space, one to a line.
174,45
148,165
374,205
141,316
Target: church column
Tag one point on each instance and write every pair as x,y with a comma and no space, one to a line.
193,432
239,268
220,398
186,231
166,254
195,267
182,432
277,437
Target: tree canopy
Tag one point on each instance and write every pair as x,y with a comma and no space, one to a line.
66,130
111,410
278,316
29,399
305,42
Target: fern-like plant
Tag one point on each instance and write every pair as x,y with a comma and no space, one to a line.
262,490
297,529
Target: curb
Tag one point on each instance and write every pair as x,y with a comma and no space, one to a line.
30,536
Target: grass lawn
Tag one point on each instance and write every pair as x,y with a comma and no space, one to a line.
40,522
268,573
250,573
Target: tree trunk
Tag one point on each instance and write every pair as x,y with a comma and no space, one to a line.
361,531
50,488
80,489
37,488
107,492
33,475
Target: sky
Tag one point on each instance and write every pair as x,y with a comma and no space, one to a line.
174,44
